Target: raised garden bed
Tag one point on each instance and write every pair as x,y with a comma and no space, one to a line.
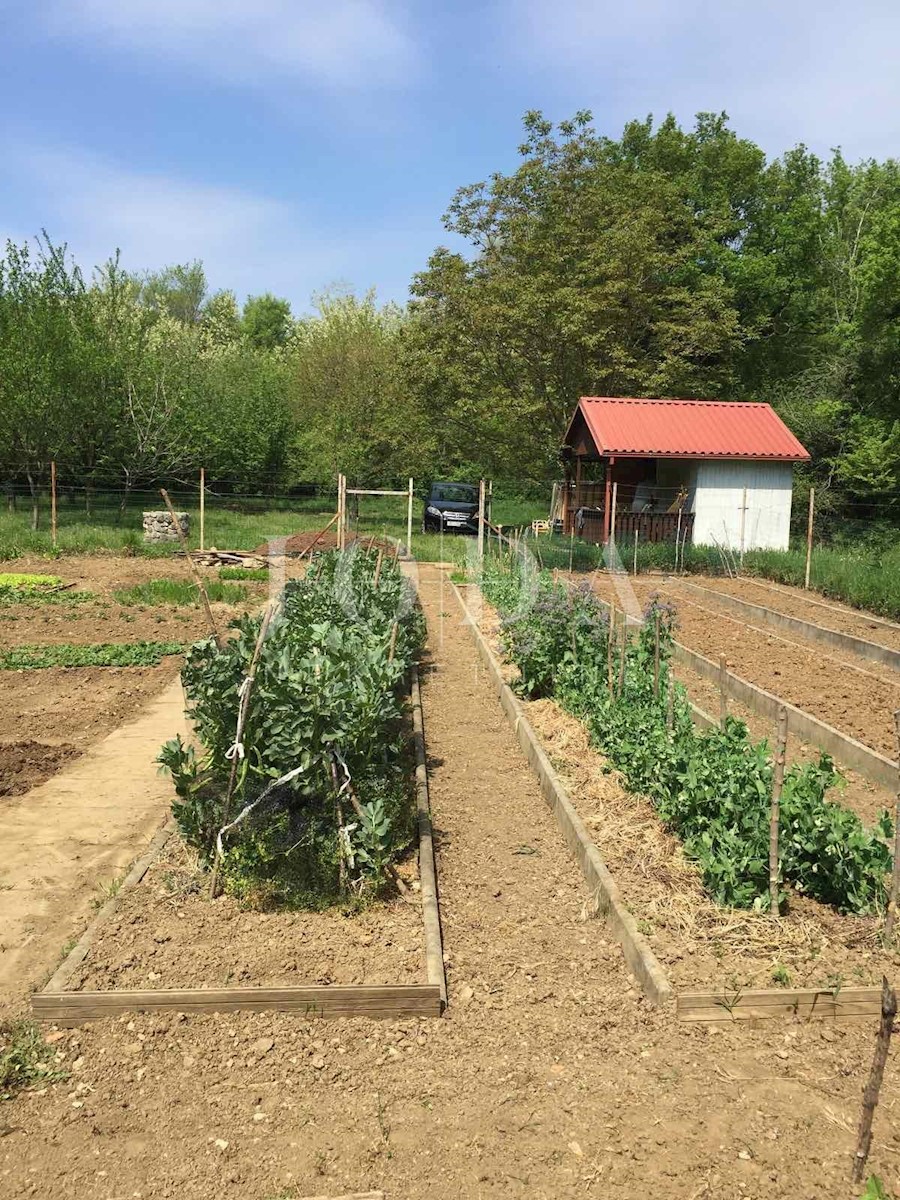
670,922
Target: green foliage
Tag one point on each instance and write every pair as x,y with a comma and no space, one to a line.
103,654
875,1190
25,1059
327,707
712,788
250,574
266,321
21,582
180,592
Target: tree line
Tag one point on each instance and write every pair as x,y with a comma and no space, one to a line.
665,262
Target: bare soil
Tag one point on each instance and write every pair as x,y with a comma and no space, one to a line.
830,614
548,1078
166,934
76,706
830,684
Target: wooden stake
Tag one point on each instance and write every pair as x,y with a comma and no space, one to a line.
193,567
378,562
723,690
876,1075
890,915
775,812
656,654
480,524
392,645
621,688
610,642
409,519
53,501
670,700
612,514
243,709
743,524
202,508
678,536
634,572
809,534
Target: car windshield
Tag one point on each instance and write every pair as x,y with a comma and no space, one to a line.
455,493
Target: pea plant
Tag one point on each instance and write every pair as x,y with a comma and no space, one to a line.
323,800
712,788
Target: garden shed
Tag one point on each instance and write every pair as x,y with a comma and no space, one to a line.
710,471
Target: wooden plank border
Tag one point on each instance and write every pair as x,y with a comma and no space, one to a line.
55,1003
871,651
608,899
804,1003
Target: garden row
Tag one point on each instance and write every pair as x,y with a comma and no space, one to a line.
302,787
712,788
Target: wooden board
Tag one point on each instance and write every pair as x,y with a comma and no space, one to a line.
328,1000
803,1003
431,917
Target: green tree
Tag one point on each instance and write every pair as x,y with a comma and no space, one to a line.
266,321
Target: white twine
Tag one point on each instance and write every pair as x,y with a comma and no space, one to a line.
344,832
250,807
236,748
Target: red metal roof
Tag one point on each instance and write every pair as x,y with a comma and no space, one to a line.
632,427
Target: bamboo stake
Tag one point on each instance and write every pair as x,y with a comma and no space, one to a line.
53,501
670,701
634,572
656,654
775,813
891,913
392,645
202,508
312,545
409,518
809,534
243,709
743,523
876,1075
378,562
610,642
678,536
723,690
612,515
480,524
193,567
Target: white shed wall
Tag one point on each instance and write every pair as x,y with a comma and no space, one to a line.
719,497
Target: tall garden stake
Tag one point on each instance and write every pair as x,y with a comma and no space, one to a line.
876,1075
610,644
891,914
775,813
723,690
621,688
656,654
236,752
193,567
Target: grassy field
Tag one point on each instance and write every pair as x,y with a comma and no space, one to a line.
234,526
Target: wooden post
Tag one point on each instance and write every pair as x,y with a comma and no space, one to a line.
612,518
743,524
894,897
723,690
677,537
409,519
193,568
809,533
775,813
670,699
876,1075
634,572
202,508
480,524
606,502
392,645
53,501
342,501
378,561
656,654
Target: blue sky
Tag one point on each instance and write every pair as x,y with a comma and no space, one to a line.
296,145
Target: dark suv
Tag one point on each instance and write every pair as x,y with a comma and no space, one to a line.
451,507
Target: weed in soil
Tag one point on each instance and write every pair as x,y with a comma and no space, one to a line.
106,654
180,593
25,1059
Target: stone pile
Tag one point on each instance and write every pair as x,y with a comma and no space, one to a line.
158,527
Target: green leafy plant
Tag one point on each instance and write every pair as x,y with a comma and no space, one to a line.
104,654
712,788
875,1190
180,592
248,574
25,582
326,718
25,1059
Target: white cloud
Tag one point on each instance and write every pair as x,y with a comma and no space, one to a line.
815,71
346,44
247,242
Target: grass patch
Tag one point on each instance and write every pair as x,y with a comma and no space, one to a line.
25,1059
180,593
35,598
104,654
248,574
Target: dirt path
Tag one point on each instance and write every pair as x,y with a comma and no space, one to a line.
548,1077
65,838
